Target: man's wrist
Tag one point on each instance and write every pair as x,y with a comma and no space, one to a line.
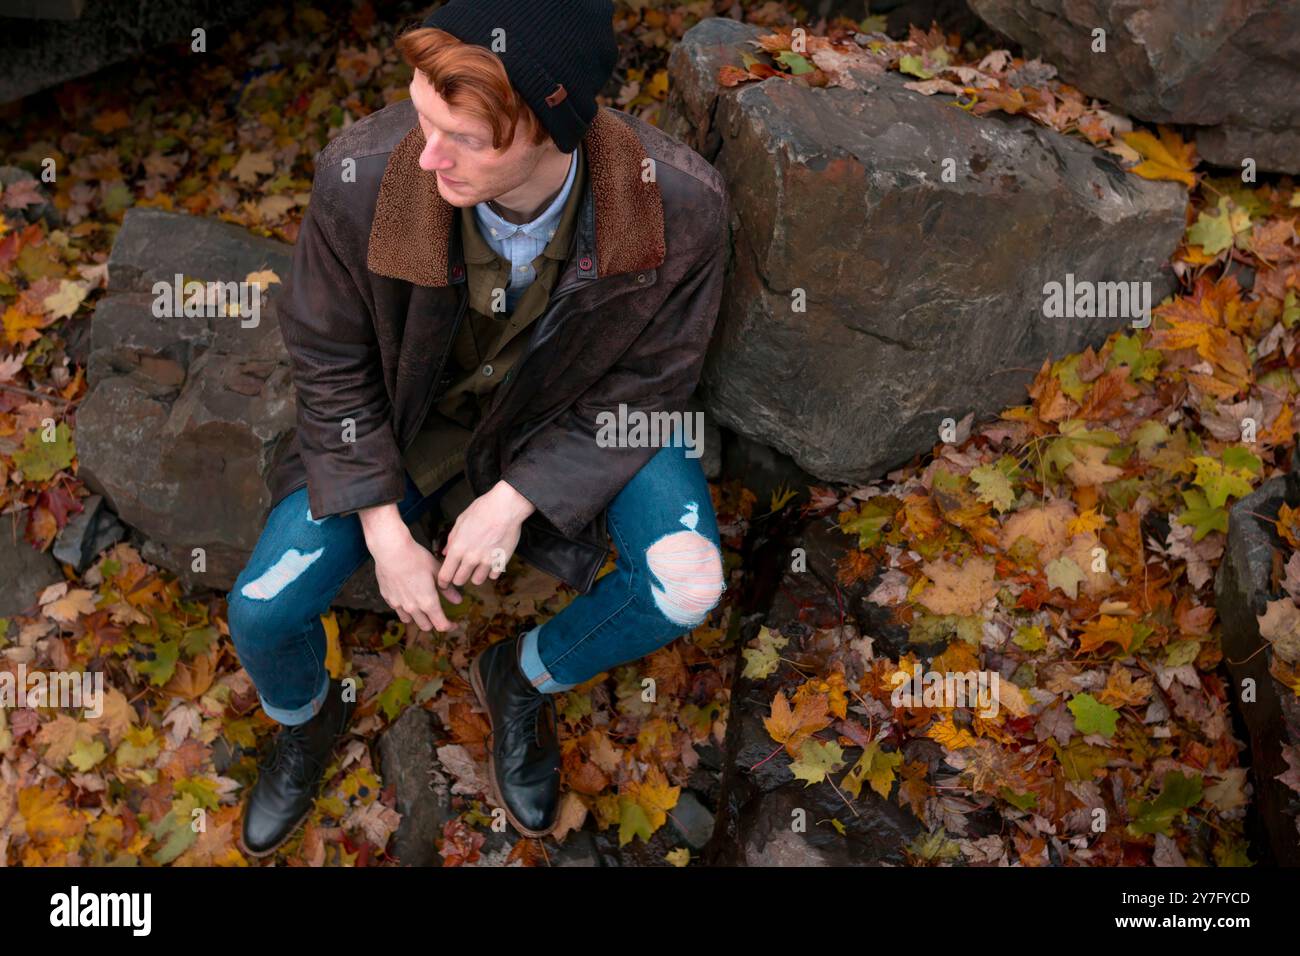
519,506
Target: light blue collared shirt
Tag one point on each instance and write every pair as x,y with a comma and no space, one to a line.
521,244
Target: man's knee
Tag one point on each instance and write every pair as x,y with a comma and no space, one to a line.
259,602
689,567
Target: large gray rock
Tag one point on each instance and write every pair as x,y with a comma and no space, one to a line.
24,574
924,297
409,763
44,42
1242,590
1232,66
183,414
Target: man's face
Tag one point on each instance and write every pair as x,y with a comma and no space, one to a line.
459,149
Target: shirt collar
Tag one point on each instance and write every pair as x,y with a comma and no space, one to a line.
543,226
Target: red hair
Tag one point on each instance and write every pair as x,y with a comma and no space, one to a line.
473,80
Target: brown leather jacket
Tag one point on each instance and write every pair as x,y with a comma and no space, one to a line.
377,291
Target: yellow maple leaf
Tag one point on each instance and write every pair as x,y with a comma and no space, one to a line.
45,814
1165,158
792,727
1106,630
1086,522
21,327
63,735
654,796
833,687
949,735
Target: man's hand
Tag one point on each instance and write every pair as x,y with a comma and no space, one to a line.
484,537
405,570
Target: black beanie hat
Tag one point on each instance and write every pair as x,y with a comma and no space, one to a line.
557,53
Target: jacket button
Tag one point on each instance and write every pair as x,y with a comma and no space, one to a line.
640,277
487,369
457,271
585,262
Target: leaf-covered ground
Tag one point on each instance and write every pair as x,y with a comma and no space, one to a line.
987,551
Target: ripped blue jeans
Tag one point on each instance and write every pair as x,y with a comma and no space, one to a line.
667,577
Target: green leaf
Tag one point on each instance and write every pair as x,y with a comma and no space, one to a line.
1240,458
1218,482
117,198
1067,372
396,697
816,759
86,754
796,63
632,822
994,486
420,659
762,659
1202,516
174,830
876,767
913,65
1215,230
1177,794
42,460
1182,652
1021,801
160,669
1081,759
197,641
1065,574
869,520
1142,363
1030,637
1093,717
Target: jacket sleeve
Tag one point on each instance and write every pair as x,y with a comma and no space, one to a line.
561,469
328,331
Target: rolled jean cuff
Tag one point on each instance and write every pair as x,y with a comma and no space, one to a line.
298,715
531,664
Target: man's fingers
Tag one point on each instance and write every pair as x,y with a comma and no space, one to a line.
422,620
451,594
480,575
448,569
463,571
436,615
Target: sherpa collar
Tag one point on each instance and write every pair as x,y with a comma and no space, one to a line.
410,237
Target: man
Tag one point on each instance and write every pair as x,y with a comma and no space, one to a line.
487,275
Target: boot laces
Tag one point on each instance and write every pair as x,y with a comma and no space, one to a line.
290,750
531,713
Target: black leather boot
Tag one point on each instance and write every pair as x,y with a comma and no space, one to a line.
291,775
524,747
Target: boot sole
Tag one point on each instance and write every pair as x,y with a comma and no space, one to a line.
261,854
283,840
477,683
